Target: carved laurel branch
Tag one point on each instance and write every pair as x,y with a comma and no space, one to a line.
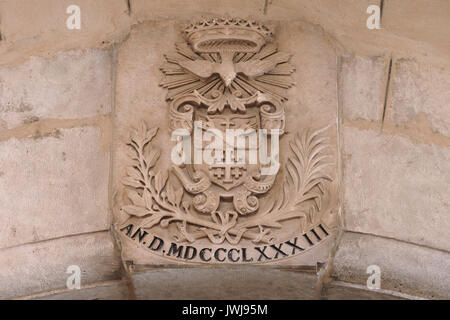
158,202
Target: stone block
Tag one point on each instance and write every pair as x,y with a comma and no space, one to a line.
423,21
73,84
42,266
362,87
53,186
240,283
39,26
104,291
420,93
396,188
404,267
344,291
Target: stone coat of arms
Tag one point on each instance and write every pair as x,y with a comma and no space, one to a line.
228,74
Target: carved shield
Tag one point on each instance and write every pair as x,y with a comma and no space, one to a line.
237,155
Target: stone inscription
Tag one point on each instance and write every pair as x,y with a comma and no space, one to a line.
217,254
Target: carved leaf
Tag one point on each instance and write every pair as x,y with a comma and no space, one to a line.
135,210
152,221
151,134
128,181
160,180
174,196
134,173
309,196
152,157
171,197
135,198
179,195
142,131
236,104
148,200
131,153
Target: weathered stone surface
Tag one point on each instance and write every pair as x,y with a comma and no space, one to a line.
160,9
350,13
362,85
345,291
35,27
229,283
42,266
420,89
74,84
104,291
405,268
110,20
423,21
53,186
396,188
344,19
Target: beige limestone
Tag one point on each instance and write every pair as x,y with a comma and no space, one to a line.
42,266
176,9
109,21
229,283
405,268
38,27
344,291
74,84
362,85
396,188
52,185
424,21
420,91
111,290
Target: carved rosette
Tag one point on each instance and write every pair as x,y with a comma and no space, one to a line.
228,75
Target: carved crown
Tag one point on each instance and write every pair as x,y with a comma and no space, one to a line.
227,34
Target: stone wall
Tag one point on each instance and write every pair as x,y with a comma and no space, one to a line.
65,95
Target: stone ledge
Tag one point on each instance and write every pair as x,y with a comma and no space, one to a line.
38,27
111,290
338,290
405,268
39,267
419,96
71,85
362,86
255,283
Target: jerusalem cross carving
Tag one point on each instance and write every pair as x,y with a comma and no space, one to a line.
233,200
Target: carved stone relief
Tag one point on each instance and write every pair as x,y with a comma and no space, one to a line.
245,205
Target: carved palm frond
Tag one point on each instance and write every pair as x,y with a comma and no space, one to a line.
305,169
